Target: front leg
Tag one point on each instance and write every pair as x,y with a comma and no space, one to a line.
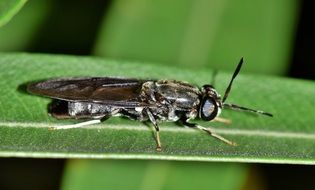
194,125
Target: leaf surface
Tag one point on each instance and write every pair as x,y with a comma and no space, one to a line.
288,137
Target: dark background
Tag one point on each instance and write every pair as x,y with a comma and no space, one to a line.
302,63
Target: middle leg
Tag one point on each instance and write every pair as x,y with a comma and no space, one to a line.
157,129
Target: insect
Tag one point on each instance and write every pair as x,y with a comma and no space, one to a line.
99,98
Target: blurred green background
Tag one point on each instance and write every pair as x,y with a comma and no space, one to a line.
207,34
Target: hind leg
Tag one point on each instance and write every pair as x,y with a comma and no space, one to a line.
210,132
85,123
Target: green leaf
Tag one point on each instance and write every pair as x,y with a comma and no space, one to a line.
107,174
34,14
200,33
288,137
8,8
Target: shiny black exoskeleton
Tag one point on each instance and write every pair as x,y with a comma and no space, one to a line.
155,100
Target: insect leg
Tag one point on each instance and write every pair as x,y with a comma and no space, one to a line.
157,129
85,123
129,114
193,125
77,125
222,120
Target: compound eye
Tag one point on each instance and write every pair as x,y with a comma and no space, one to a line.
208,110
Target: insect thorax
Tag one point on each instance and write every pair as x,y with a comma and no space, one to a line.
172,99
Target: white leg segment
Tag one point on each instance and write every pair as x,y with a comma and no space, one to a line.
222,120
77,125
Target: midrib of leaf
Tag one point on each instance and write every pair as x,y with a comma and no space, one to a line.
241,132
286,138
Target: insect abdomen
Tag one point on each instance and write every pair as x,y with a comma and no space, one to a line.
66,109
87,109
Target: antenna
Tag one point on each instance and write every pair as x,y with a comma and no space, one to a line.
228,89
236,107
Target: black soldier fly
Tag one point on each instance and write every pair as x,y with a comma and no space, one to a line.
100,98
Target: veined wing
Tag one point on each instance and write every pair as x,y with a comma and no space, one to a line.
107,90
